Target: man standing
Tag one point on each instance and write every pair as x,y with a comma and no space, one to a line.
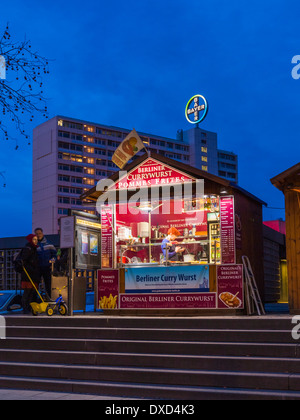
46,253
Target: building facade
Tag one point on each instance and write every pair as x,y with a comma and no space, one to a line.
70,156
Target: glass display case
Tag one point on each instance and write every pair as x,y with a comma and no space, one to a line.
151,253
140,234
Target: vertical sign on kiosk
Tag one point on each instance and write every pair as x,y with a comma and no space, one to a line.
230,286
107,237
108,289
227,216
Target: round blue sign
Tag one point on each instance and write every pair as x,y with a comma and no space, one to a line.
196,109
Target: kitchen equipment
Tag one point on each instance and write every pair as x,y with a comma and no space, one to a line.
189,258
156,233
143,230
124,233
214,241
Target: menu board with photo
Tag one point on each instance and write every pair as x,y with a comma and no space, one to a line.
230,287
108,289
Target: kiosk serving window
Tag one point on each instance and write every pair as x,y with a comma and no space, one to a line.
142,232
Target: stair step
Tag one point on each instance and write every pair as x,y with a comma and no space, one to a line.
178,377
205,362
259,336
154,347
100,321
153,391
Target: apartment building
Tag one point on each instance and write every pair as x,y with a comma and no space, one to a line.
70,156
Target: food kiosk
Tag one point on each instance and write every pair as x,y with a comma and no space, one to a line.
140,206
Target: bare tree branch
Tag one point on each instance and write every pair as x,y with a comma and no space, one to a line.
21,93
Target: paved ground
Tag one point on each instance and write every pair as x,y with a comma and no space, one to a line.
11,394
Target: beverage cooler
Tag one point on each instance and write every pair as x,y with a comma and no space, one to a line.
214,237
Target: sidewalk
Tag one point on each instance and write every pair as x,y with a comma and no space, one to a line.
15,394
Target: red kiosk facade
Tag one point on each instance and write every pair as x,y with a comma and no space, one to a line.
218,223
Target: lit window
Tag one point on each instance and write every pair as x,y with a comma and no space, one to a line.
89,171
204,158
204,149
88,181
204,168
60,123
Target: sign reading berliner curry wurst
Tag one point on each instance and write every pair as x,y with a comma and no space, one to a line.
168,301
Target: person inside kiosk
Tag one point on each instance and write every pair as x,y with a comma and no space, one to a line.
170,247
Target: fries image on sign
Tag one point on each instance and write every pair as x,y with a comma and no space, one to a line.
108,302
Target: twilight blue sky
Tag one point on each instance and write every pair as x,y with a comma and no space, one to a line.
136,63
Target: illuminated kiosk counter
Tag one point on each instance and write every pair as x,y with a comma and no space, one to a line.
145,271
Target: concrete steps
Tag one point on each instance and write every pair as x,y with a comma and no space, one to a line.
198,358
229,363
149,334
249,323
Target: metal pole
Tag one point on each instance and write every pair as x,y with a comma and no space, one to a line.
150,250
70,282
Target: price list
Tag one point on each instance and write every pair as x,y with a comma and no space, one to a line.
106,237
227,230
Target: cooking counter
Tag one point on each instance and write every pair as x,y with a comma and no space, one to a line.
170,263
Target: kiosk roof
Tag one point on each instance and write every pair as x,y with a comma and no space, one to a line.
94,194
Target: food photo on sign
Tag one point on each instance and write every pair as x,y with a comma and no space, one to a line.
130,146
230,286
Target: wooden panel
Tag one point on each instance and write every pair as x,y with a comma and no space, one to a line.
297,237
289,247
212,278
250,212
293,249
122,280
271,270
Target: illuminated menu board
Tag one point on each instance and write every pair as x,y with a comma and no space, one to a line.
107,237
227,230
